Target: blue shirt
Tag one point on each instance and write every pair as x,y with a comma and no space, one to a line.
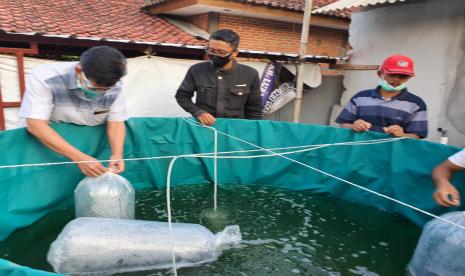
406,110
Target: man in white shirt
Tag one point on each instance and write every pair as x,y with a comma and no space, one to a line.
88,92
446,194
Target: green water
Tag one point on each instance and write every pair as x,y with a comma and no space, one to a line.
284,233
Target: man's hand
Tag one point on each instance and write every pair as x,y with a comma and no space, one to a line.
394,130
116,166
361,125
50,138
93,169
447,195
206,119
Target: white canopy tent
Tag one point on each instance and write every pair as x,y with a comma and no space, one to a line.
149,86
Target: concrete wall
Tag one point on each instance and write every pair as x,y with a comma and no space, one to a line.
432,33
316,104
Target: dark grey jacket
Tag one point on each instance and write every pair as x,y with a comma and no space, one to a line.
232,93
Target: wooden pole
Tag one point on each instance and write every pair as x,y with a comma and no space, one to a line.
19,53
2,116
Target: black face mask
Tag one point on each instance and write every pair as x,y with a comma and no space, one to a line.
219,61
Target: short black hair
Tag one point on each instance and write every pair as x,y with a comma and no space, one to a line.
226,35
103,64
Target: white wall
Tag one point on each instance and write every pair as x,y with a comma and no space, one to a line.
432,33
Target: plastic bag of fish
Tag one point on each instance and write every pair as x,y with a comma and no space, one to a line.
106,246
108,196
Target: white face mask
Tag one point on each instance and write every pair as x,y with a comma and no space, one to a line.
89,93
386,86
86,87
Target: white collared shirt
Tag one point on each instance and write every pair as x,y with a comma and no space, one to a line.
458,158
52,95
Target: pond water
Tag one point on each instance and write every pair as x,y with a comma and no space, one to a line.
284,232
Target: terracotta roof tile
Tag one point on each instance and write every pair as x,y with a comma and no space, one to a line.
122,19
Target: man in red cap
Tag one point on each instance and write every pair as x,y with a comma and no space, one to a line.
389,108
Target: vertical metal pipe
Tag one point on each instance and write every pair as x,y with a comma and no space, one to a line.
302,54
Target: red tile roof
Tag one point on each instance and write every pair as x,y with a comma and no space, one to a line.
117,19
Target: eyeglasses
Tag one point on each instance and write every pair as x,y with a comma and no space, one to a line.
210,51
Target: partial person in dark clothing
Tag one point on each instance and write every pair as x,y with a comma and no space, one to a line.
224,88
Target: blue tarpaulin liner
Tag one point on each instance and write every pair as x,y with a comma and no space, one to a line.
400,169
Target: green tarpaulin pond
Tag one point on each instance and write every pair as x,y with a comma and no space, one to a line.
397,168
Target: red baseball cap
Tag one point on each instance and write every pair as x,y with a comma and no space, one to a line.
398,64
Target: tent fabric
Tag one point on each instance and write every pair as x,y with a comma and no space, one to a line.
149,87
399,169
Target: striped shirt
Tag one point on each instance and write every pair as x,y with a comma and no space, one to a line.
52,94
406,110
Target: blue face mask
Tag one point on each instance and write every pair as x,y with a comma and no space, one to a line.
389,88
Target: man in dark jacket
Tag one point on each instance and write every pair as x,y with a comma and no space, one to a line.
224,88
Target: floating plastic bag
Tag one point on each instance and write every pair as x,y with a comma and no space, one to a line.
107,196
105,246
441,248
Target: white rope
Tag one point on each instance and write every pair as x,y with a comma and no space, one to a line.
207,154
273,153
336,177
215,157
215,172
168,210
